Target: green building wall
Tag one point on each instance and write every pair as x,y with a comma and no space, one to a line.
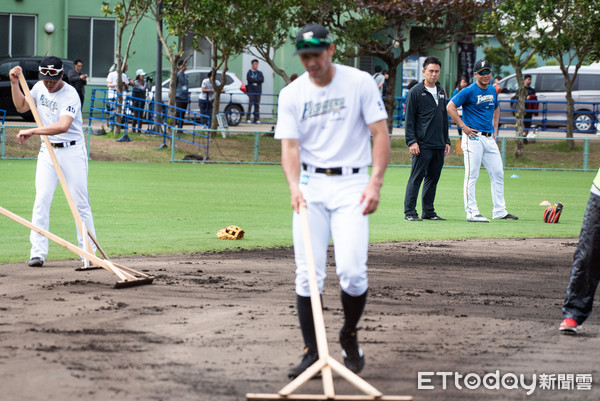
143,48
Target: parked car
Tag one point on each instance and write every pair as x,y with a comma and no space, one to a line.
234,102
30,71
549,85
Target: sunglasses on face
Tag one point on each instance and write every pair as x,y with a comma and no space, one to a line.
484,72
49,71
312,42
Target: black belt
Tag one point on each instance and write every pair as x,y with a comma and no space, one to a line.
63,144
330,170
487,133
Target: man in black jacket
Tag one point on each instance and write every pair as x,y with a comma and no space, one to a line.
255,80
427,140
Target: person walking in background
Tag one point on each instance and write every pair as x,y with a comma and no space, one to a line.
325,126
463,82
479,122
78,80
182,93
59,108
141,86
585,272
427,140
255,79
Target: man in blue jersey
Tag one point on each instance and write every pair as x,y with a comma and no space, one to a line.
479,122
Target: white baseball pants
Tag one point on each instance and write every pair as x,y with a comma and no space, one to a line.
476,151
334,211
74,164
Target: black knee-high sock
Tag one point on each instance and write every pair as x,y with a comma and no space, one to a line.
307,325
353,309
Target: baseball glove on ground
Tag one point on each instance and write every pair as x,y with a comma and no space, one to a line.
231,232
552,213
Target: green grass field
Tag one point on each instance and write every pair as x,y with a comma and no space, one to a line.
150,209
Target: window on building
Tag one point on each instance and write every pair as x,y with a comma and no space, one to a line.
92,40
199,57
17,35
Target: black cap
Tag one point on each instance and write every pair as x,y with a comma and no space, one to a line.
51,65
481,65
313,38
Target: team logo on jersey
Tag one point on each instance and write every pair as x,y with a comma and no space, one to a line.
51,104
485,99
312,109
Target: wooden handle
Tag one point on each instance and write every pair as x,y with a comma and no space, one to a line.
59,173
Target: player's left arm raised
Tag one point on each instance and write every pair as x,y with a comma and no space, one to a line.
381,158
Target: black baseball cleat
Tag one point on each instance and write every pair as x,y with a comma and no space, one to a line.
410,217
510,217
308,359
35,262
354,358
434,217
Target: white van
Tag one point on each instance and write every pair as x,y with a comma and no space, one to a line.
549,85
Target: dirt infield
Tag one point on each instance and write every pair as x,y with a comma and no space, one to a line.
216,326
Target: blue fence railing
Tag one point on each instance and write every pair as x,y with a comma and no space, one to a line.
552,115
546,115
141,115
2,116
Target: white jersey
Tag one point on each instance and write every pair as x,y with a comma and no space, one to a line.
51,106
331,122
112,78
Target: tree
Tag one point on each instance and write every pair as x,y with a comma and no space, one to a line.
497,57
405,28
128,13
571,36
270,24
512,23
267,27
222,25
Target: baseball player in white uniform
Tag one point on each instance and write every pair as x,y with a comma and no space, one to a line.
60,111
479,122
325,121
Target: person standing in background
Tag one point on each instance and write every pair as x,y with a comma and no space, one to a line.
255,79
427,140
496,81
479,122
141,86
182,94
78,80
528,106
379,78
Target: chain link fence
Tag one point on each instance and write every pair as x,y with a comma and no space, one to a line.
10,148
260,147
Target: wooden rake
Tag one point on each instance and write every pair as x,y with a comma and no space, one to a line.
325,364
128,277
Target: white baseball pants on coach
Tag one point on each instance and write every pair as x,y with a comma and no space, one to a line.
334,211
476,151
74,164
